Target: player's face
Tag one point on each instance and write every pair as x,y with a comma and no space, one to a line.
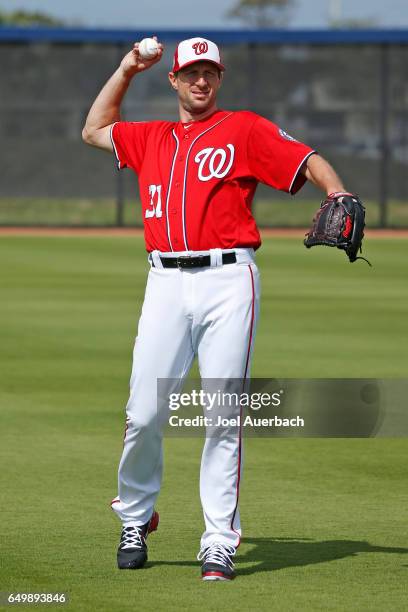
197,86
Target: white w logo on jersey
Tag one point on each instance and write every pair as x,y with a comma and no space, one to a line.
213,162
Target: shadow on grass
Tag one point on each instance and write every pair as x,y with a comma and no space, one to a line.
280,553
271,554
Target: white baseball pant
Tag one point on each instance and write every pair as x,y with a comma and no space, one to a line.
212,313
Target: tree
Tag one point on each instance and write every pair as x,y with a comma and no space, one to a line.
263,13
28,18
355,23
337,19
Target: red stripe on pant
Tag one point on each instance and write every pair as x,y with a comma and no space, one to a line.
240,414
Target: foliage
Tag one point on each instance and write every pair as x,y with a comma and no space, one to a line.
354,23
262,13
28,18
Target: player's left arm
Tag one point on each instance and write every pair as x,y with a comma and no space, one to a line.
319,172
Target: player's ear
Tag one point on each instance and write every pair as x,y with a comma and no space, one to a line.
173,80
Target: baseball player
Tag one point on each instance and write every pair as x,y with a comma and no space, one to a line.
197,179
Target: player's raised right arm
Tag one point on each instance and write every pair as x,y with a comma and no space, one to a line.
106,109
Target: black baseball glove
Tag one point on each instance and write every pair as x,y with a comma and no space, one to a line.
339,222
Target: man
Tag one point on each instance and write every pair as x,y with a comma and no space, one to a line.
197,178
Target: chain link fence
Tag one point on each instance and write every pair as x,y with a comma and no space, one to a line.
348,101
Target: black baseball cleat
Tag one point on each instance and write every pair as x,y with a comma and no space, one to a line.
132,551
217,562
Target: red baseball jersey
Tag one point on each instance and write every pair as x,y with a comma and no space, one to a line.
197,180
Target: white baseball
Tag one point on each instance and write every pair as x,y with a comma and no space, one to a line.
148,48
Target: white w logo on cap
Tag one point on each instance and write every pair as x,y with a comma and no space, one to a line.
200,47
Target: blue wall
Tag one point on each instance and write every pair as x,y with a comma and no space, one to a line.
85,35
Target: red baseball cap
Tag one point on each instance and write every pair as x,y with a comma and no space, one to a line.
196,50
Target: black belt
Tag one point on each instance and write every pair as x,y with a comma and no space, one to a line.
196,261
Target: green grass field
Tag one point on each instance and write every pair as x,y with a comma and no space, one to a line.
325,520
276,212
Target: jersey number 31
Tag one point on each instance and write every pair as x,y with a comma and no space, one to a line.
155,209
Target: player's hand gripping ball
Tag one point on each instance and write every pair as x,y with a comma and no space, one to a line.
148,48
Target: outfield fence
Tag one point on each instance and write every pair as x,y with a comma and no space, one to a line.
345,93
